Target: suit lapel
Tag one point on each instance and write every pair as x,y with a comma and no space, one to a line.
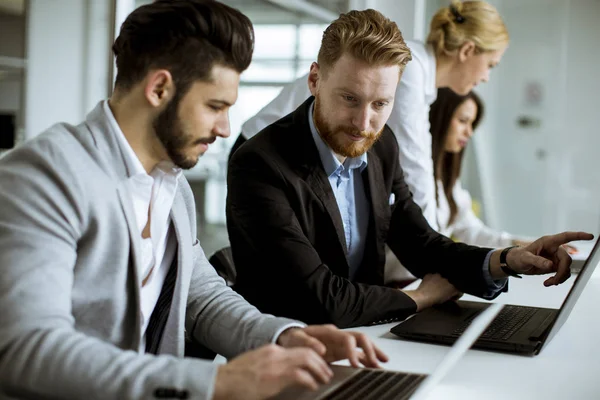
376,187
126,205
174,325
310,168
319,183
109,155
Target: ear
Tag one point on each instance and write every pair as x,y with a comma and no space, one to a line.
159,87
466,51
313,78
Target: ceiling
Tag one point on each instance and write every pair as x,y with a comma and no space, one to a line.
288,11
285,11
17,7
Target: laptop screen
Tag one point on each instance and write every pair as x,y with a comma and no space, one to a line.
464,342
582,279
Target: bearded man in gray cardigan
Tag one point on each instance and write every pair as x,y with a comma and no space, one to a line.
101,277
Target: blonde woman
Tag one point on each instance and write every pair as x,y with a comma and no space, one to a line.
466,40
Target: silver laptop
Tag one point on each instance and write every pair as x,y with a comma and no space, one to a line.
350,383
584,251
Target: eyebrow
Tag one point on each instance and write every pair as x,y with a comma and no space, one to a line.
342,89
220,102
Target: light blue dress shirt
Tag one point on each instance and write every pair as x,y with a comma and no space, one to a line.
348,188
349,191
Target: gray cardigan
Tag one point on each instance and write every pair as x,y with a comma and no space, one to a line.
69,282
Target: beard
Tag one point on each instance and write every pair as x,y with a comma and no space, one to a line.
335,135
169,129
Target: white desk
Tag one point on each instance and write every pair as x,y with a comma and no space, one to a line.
567,368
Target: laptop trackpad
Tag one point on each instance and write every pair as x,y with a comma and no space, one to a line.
441,319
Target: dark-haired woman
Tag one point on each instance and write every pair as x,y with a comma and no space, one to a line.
454,119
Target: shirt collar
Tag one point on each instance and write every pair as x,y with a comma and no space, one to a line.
330,162
132,162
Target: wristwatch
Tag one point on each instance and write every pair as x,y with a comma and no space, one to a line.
504,266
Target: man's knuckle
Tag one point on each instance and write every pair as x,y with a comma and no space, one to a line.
297,375
361,336
271,350
307,356
350,341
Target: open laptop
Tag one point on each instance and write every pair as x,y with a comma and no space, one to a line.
584,249
366,383
518,329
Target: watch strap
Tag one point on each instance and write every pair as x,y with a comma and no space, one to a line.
504,265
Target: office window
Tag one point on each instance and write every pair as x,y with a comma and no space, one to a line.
283,52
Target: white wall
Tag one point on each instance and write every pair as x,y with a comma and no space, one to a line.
408,14
578,163
544,179
68,61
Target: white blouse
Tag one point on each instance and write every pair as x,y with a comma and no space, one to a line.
466,227
410,123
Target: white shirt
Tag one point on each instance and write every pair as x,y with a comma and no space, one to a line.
154,192
409,121
290,98
466,227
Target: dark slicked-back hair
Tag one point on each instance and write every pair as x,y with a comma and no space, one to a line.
186,37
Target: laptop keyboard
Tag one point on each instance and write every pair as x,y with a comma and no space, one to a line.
377,385
509,321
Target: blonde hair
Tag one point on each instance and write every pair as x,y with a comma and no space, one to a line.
475,21
367,36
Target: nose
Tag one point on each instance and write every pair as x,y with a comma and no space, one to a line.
222,128
361,119
486,77
469,130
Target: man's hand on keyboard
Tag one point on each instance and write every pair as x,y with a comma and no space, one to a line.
266,371
334,344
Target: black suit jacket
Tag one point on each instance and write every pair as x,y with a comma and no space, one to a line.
288,241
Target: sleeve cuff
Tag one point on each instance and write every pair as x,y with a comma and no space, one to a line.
285,328
493,286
